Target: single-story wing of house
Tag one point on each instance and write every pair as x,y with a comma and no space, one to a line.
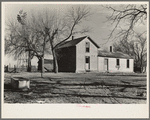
114,62
83,55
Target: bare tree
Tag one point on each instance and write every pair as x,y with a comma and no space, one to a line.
74,16
47,30
135,48
16,41
125,18
22,38
60,27
21,17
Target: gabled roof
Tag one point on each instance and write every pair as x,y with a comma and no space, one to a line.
75,42
113,54
93,42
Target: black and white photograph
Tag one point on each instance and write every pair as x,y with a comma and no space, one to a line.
75,53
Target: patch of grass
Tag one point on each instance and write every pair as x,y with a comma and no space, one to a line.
76,88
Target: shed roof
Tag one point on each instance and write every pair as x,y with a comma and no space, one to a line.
113,54
76,41
48,61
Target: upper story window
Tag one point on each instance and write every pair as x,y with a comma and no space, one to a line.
117,62
128,63
87,46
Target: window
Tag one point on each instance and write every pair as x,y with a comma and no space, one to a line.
127,63
87,46
118,62
87,59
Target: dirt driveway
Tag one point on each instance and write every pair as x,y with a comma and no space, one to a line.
93,88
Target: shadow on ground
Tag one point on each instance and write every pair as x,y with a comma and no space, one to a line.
71,90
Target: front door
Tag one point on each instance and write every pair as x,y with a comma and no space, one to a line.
87,63
106,64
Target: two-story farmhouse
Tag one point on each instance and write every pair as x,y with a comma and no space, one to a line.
82,55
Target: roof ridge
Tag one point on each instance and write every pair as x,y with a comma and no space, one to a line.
78,38
76,41
116,54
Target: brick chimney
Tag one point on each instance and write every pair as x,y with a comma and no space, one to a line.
72,37
111,49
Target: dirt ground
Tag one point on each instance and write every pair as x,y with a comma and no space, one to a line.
93,88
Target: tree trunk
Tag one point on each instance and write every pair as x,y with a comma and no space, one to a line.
141,65
145,69
42,66
29,62
55,61
55,64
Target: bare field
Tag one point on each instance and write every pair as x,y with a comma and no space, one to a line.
92,88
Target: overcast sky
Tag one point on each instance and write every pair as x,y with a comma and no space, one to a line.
100,29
